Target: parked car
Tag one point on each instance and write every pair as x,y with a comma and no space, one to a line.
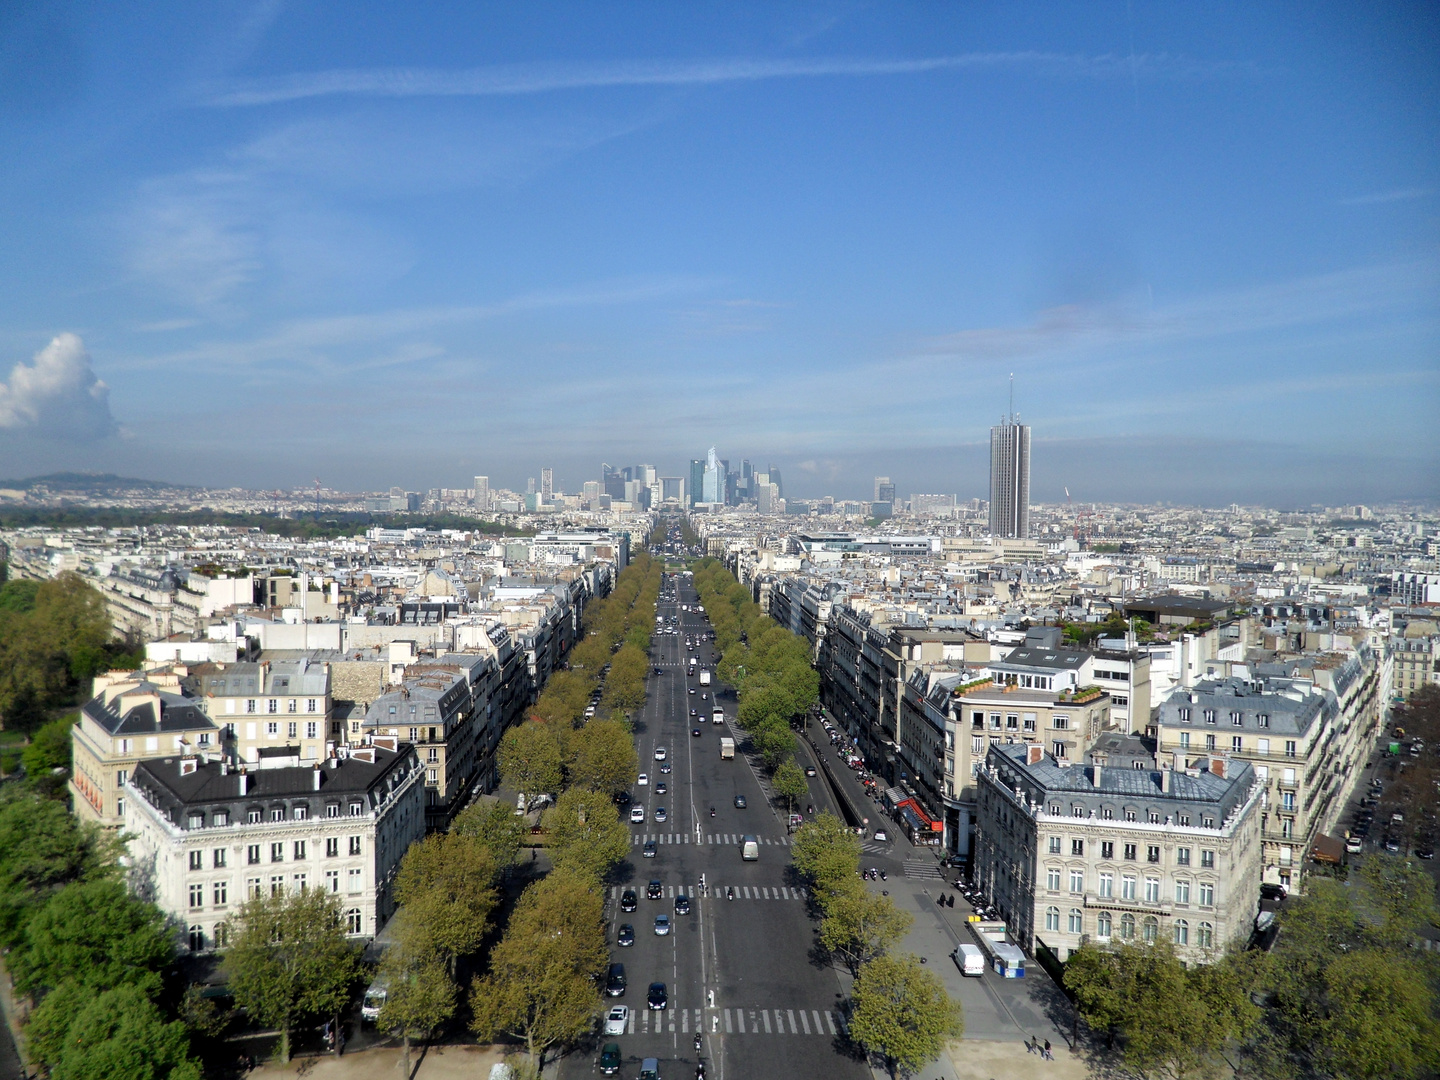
1271,891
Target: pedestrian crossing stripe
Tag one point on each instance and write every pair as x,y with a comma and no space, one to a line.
740,1021
718,892
721,839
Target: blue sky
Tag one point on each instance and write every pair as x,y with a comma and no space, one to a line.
263,243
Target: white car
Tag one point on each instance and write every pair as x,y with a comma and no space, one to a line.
637,815
617,1019
644,779
660,754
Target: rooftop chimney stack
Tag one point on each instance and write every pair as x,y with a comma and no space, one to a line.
1095,775
1034,754
315,773
1217,766
1165,772
244,781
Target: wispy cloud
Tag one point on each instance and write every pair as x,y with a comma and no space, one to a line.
1398,195
518,79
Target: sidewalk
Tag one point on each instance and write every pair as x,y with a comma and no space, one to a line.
438,1063
977,1059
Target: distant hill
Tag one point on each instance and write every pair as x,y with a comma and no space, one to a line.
88,482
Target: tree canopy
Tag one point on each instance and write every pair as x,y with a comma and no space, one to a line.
901,1013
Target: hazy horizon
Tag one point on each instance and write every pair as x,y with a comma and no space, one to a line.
257,244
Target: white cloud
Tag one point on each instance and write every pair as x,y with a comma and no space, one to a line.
58,395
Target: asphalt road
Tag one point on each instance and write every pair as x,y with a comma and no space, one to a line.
738,971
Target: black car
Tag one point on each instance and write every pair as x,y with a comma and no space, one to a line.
649,849
694,713
695,732
626,937
615,981
657,998
1270,891
628,900
739,802
1425,852
809,770
653,891
682,905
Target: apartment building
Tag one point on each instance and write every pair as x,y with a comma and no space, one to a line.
269,704
1415,656
133,717
1125,848
205,834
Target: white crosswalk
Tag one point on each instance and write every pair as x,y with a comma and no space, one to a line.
718,892
737,1021
722,839
923,868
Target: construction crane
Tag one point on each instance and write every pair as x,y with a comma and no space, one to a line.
1082,534
317,495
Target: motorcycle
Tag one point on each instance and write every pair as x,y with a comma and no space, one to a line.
730,892
882,876
697,1042
712,811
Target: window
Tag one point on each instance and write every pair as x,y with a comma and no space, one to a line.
299,850
1262,720
1184,716
120,807
1060,722
357,880
1077,810
121,777
332,881
1127,927
222,935
1287,825
432,776
1052,918
1077,847
250,705
1107,813
1012,722
196,938
1237,718
1077,921
299,882
1182,855
1060,749
1208,821
273,705
252,854
218,857
1207,894
977,744
1182,892
1184,740
197,860
1152,853
1077,881
196,821
1054,845
1102,926
220,818
1107,849
1052,878
1210,742
312,730
1107,885
1209,716
197,895
1127,887
1153,817
354,845
1207,860
310,705
353,921
415,734
332,847
1182,932
1130,852
1151,929
252,888
291,730
1055,808
221,893
1029,721
272,728
277,852
1152,890
1289,747
332,810
277,815
1129,816
125,746
290,705
253,816
1205,936
356,809
301,812
977,719
1237,744
1287,800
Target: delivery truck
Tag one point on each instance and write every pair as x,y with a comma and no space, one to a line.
704,678
727,749
717,715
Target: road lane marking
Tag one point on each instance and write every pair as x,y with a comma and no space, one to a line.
805,1021
818,1029
728,1029
765,1015
791,1013
830,1019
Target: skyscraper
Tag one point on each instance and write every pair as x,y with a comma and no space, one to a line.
695,490
714,485
482,493
884,489
1010,477
547,484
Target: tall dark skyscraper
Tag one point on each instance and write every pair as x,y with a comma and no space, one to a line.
696,492
1010,477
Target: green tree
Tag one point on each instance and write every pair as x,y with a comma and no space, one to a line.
826,853
859,926
1381,1020
901,1013
420,994
603,757
789,784
541,987
446,883
531,759
121,1035
49,750
42,848
1099,987
98,934
290,960
496,825
585,834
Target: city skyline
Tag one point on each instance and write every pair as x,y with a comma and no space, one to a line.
825,235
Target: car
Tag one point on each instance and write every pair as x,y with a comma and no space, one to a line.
661,788
658,671
692,691
695,732
648,851
643,779
623,799
739,802
653,890
809,770
1424,853
626,937
1397,818
682,905
662,925
637,815
1392,845
693,712
660,814
610,1056
616,1019
628,901
705,696
881,835
661,754
664,766
657,998
615,981
1354,845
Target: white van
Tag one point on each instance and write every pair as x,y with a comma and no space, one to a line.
374,1001
749,849
969,959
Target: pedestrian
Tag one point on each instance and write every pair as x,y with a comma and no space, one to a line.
1030,1044
1048,1055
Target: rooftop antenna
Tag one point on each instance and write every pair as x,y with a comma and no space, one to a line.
1012,397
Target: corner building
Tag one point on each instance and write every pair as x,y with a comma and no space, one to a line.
1121,850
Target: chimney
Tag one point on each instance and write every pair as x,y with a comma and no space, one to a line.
1217,766
1177,761
1165,771
1095,775
224,765
315,773
244,781
1034,754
